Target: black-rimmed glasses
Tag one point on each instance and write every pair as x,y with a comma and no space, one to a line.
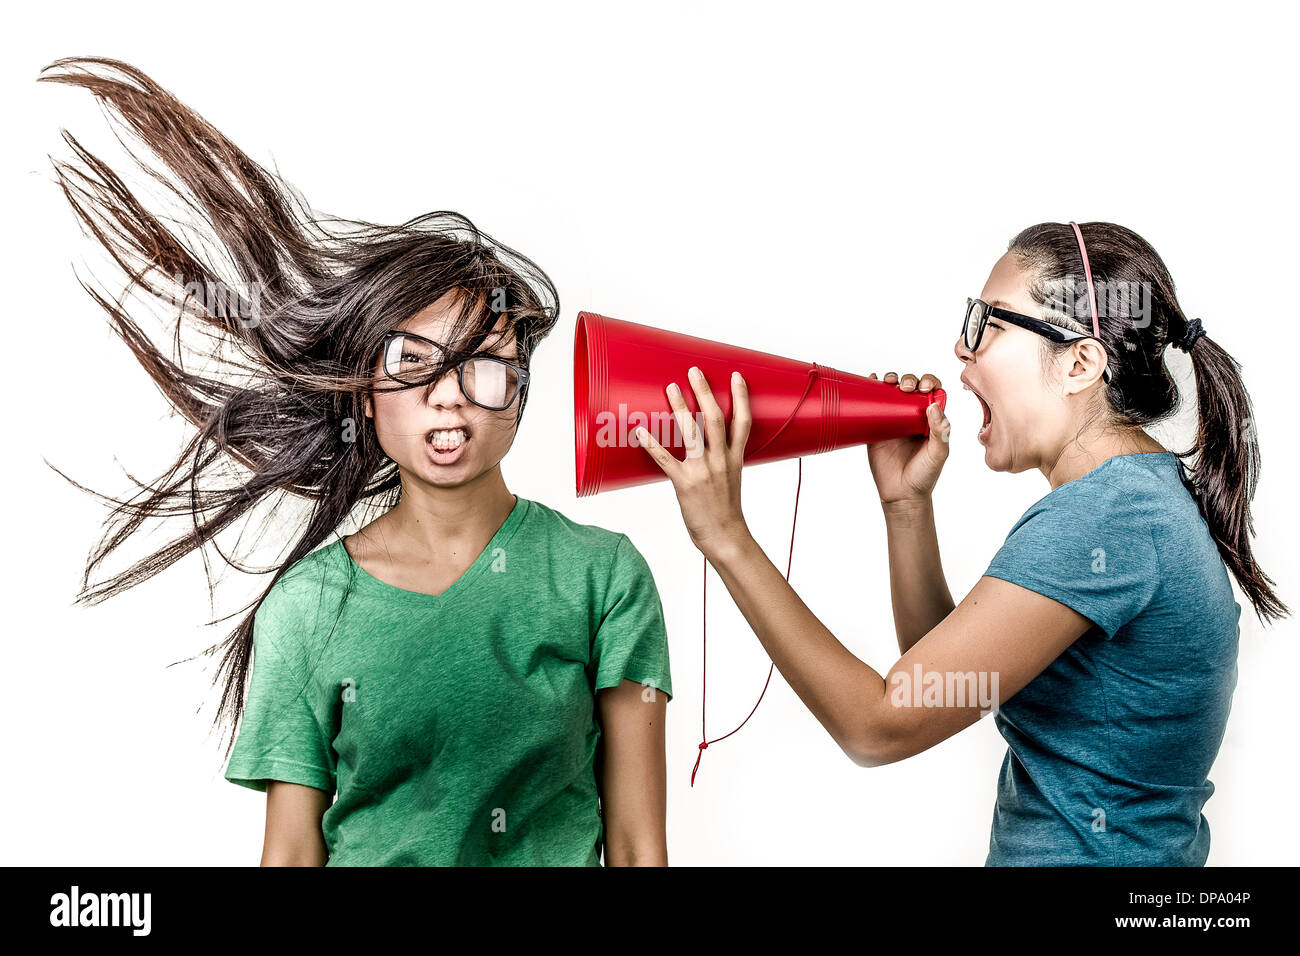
486,380
978,313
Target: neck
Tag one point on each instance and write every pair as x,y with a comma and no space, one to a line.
437,520
1080,456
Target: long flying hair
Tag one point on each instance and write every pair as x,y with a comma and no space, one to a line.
293,307
1139,317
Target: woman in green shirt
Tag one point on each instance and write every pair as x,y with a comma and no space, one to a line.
470,678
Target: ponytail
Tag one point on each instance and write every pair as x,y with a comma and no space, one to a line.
1227,468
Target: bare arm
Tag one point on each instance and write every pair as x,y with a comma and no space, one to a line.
1001,632
905,471
633,776
293,825
994,643
917,588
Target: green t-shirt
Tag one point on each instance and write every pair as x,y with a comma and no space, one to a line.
456,729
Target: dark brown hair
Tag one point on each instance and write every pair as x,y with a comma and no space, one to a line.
293,307
1129,273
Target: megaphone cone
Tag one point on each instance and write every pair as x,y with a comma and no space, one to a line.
620,371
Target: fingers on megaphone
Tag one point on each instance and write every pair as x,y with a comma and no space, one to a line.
742,419
686,422
940,426
657,451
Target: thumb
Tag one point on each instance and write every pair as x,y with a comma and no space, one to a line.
940,431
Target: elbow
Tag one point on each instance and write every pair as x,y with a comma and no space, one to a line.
652,850
877,745
291,859
872,757
648,856
876,759
294,853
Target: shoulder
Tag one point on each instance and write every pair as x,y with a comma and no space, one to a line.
562,531
1090,544
298,595
608,559
1122,494
1185,548
1101,521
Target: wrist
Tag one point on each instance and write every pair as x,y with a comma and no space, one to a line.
728,549
907,509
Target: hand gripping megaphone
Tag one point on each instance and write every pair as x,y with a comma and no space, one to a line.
620,371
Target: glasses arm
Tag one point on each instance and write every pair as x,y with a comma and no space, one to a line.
1045,329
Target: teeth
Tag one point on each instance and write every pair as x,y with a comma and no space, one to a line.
449,438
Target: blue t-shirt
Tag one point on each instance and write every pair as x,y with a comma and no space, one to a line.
1109,749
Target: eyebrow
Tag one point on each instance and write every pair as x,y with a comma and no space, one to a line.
511,345
1000,303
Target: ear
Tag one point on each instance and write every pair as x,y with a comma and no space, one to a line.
1087,361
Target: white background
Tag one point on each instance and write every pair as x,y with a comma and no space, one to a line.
823,181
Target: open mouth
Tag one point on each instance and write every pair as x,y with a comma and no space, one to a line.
445,441
986,427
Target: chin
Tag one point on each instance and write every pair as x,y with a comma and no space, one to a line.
995,461
464,472
1010,467
442,476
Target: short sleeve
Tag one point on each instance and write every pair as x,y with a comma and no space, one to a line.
281,735
1091,550
631,641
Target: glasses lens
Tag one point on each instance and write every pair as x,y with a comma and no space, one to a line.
410,359
974,315
490,383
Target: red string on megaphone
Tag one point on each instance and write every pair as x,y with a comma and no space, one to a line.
704,676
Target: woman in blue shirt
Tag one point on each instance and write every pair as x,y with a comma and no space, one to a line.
1103,635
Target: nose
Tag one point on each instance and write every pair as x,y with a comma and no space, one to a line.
445,392
959,349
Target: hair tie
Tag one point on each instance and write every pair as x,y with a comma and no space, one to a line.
1193,331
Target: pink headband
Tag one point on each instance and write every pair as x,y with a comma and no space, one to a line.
1087,272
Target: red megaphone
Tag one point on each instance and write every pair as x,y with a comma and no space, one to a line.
621,370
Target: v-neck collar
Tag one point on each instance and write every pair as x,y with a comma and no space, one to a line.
485,558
